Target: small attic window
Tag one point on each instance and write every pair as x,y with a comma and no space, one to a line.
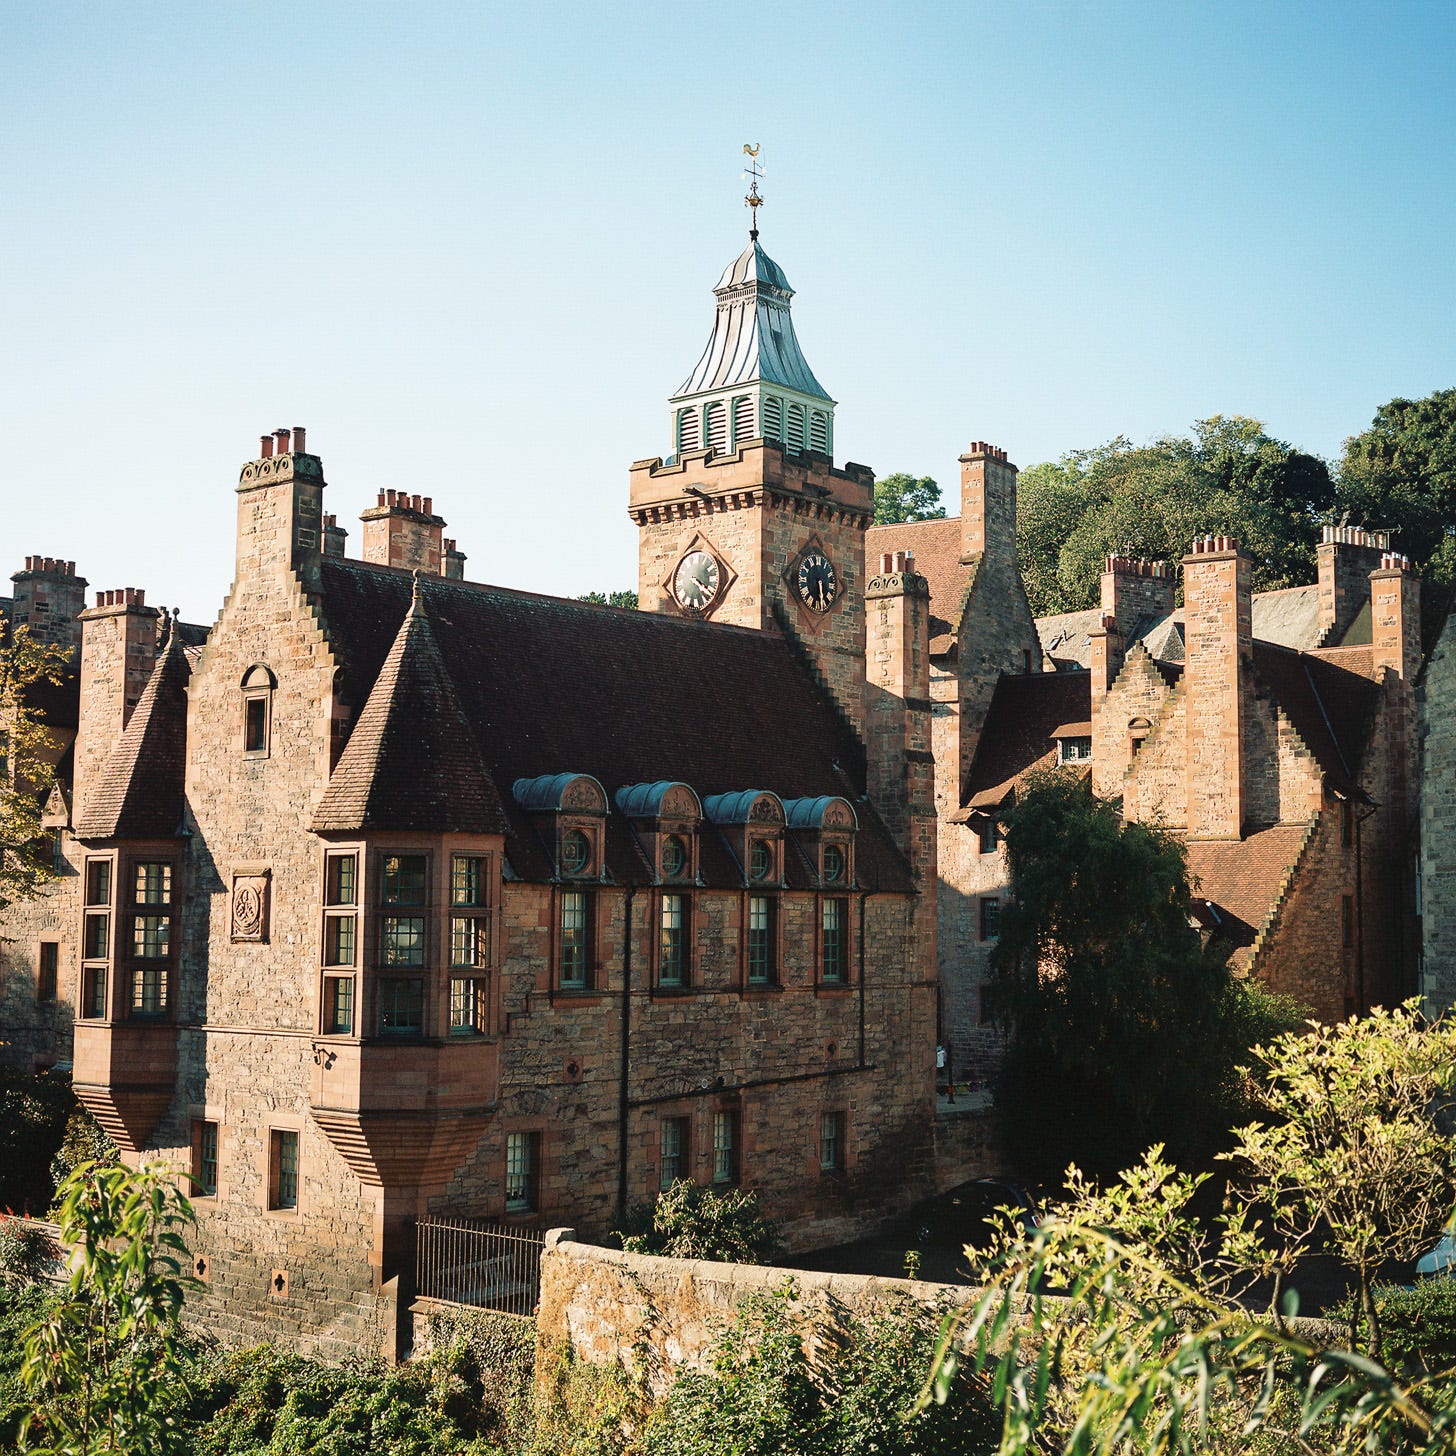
1074,750
258,686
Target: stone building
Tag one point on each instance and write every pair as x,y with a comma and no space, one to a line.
1273,731
395,894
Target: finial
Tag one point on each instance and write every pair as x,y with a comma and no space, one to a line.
417,598
753,176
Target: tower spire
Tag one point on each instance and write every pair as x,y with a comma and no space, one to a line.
753,176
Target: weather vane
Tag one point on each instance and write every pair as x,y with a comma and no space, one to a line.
753,176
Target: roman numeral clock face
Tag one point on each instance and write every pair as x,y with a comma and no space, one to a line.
817,581
697,581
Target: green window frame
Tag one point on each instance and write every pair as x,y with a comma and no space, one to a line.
402,940
831,1142
206,1174
725,1146
468,1005
575,939
338,1005
401,1005
834,941
405,879
283,1170
523,1156
672,954
673,1154
760,940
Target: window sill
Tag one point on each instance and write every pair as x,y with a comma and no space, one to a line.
833,988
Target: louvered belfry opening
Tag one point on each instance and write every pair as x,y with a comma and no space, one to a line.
687,429
743,421
717,425
773,417
819,432
796,427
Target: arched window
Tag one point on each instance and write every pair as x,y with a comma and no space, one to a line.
258,685
796,427
717,425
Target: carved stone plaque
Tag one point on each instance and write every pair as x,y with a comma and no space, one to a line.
250,907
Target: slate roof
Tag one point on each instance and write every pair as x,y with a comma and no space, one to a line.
141,791
937,548
1290,617
1241,879
411,762
548,686
1026,710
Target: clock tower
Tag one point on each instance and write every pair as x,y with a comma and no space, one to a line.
748,521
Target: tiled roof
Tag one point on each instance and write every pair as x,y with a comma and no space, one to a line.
1242,880
1329,698
1025,712
552,686
140,793
937,548
411,761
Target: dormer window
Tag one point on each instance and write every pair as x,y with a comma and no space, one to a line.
665,816
823,828
835,862
576,853
760,861
1074,750
674,857
258,686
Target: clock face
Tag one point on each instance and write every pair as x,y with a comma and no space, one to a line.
697,581
817,580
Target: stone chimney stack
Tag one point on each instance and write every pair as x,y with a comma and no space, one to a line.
49,597
1136,590
1395,616
1219,644
454,560
334,537
403,530
897,708
1346,555
988,502
1109,648
119,642
280,511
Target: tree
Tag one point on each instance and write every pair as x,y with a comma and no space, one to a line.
28,754
1155,1346
900,498
691,1222
611,599
1123,1029
1152,500
102,1366
1350,1156
1400,474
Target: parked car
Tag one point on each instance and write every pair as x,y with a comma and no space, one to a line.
1440,1260
969,1213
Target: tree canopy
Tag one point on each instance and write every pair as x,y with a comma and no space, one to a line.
1230,477
1400,474
610,599
28,754
900,498
1123,1029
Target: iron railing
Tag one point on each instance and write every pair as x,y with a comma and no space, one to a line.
468,1261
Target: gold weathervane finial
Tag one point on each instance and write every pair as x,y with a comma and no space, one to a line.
753,176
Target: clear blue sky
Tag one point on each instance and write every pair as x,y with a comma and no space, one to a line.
471,247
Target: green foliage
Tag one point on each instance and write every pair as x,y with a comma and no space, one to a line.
1417,1322
34,1108
901,497
102,1363
1123,1029
691,1222
583,1410
1350,1157
21,1305
611,599
774,1391
83,1141
1400,474
27,1250
28,752
1152,500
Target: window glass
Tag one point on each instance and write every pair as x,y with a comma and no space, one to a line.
674,856
149,991
255,725
98,882
990,918
1074,750
206,1173
831,1142
467,1005
469,940
725,1147
401,1006
153,884
760,940
673,1162
93,992
573,938
341,879
284,1170
575,852
404,879
96,934
521,1158
833,947
672,958
402,940
760,860
833,864
339,936
47,970
339,1005
990,836
469,884
151,937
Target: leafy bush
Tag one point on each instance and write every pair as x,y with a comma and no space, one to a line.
848,1390
690,1222
33,1111
1418,1324
26,1251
